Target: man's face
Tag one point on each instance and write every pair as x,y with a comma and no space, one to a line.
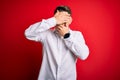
63,20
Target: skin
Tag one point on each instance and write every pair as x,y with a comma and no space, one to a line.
63,20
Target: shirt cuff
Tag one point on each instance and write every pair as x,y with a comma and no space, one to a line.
69,40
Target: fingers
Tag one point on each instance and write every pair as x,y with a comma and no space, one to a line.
62,30
62,27
62,18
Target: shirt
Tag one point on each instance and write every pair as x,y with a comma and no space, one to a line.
59,54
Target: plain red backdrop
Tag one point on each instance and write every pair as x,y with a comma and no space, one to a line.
98,20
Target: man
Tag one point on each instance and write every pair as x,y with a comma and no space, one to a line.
61,46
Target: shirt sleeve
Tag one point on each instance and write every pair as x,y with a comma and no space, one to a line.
38,31
76,44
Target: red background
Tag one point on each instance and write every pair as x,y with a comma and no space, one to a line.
98,20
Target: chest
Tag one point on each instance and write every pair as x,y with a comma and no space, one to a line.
54,42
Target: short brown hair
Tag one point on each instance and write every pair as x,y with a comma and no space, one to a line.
63,8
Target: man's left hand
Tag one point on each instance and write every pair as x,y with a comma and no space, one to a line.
62,29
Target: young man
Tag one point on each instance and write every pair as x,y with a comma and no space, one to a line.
61,46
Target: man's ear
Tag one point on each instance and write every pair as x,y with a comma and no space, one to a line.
70,21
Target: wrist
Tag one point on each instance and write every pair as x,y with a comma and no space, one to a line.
67,35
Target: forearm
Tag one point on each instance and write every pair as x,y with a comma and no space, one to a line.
39,27
77,46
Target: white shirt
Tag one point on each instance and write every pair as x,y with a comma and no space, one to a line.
59,54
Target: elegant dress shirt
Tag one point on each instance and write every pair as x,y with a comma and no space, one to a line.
59,54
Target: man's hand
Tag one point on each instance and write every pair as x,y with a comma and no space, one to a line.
62,29
62,17
63,20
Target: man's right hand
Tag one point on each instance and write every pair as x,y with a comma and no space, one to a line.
61,17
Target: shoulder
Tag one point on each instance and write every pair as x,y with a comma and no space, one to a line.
74,32
77,35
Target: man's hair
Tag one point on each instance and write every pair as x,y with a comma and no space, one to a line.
63,9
